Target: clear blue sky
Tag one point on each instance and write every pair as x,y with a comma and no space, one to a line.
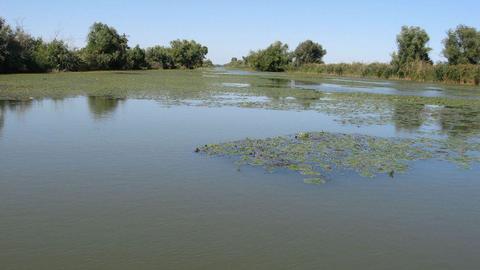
350,30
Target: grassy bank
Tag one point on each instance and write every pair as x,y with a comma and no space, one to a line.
418,71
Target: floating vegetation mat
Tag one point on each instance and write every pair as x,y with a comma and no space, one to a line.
317,154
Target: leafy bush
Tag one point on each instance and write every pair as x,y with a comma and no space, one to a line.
309,52
274,58
188,53
462,46
160,57
136,58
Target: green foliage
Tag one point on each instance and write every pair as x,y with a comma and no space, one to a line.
160,57
309,52
462,46
274,58
418,71
60,57
208,63
6,36
412,47
237,63
188,53
105,49
136,58
18,50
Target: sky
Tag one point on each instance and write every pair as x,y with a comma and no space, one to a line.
361,31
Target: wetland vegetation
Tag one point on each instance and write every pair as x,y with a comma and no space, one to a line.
443,122
123,156
411,61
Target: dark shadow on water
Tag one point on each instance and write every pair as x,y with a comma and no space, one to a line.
103,107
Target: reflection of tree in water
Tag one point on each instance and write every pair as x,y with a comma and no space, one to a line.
18,107
299,98
461,120
102,106
408,116
2,115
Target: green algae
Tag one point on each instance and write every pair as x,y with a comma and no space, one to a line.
316,155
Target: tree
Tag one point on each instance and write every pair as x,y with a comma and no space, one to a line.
309,52
18,50
6,35
136,58
59,57
208,63
105,49
462,45
160,57
274,58
412,46
188,53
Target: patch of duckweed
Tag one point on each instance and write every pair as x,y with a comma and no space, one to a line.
316,155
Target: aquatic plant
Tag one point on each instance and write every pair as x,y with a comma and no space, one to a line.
317,154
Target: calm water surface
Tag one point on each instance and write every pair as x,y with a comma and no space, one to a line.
95,183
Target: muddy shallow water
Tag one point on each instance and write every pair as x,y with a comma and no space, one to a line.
114,183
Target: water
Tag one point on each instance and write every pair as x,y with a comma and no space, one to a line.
102,183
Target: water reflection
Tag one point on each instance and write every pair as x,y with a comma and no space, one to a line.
407,116
19,107
103,106
2,115
462,120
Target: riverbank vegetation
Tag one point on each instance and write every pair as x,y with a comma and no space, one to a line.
411,61
106,49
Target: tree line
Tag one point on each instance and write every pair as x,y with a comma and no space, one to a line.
105,49
410,61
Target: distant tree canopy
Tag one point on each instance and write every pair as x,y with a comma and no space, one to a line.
18,50
309,52
160,57
182,54
105,48
59,57
274,58
462,46
188,53
136,58
412,46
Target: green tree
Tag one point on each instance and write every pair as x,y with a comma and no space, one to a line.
59,57
105,49
136,58
462,45
412,47
18,50
6,36
274,58
160,57
188,53
309,52
208,63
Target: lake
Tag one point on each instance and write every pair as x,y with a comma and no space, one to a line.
98,170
